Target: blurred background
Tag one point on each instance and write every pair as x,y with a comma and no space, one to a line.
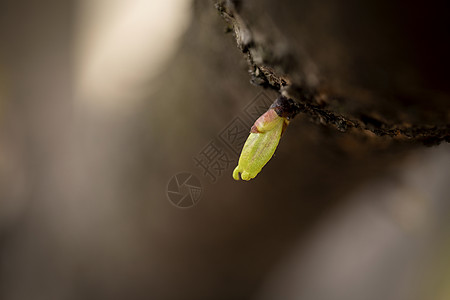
103,102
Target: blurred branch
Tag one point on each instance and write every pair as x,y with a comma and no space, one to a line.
274,67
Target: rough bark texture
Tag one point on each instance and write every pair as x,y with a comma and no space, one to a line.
374,66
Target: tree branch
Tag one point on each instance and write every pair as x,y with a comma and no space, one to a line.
275,65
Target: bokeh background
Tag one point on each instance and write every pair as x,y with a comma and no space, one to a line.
103,102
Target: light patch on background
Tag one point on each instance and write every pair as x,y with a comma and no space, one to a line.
122,45
379,245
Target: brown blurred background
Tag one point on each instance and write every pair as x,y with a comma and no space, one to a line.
102,102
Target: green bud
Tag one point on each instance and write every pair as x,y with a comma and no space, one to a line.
264,138
260,145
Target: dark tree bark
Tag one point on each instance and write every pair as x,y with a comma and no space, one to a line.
377,66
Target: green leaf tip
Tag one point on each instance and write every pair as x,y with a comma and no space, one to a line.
264,137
